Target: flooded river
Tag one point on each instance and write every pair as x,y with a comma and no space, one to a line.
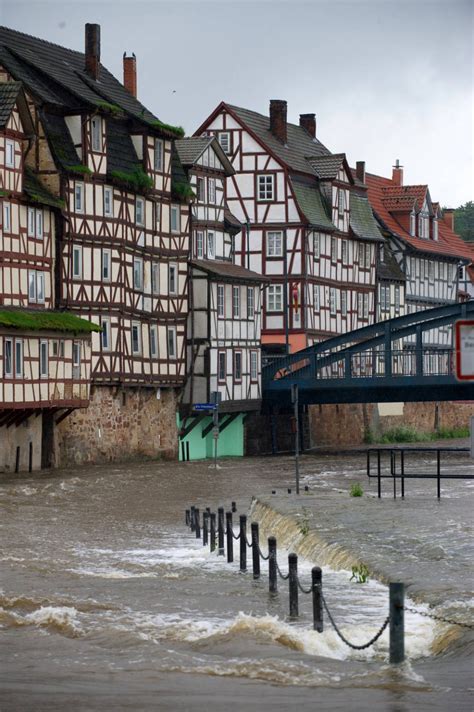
108,602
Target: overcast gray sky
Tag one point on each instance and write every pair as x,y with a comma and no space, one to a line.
387,79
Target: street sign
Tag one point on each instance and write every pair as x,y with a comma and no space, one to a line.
464,332
204,406
215,432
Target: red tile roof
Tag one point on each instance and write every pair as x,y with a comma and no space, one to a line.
383,196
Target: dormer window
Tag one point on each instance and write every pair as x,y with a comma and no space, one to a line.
158,155
341,202
412,224
435,228
9,153
224,139
96,134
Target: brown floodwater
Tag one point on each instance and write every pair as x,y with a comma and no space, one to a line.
109,602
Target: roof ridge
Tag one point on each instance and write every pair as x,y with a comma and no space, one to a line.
40,39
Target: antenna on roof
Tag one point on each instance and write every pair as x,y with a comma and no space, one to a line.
397,164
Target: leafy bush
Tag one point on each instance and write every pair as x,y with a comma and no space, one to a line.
356,490
360,574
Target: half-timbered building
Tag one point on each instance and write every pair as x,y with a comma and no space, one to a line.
421,238
121,242
308,225
45,354
223,340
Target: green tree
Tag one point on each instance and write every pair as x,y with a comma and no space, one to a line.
464,221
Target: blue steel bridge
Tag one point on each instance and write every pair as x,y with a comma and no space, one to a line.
391,361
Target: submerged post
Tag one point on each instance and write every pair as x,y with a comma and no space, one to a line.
234,506
255,553
197,523
243,542
230,537
192,521
213,531
272,565
205,527
293,584
397,622
317,586
220,530
187,517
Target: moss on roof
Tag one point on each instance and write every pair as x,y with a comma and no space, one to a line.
32,320
38,193
135,179
182,190
177,131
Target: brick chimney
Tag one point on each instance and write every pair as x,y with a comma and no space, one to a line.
130,73
278,119
397,173
360,171
308,122
448,217
92,50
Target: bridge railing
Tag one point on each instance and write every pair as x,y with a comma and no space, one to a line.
371,363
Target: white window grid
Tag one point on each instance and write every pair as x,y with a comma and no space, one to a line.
237,365
211,247
173,279
253,365
220,301
199,244
224,139
158,157
136,338
106,265
171,340
138,273
9,153
79,197
105,334
221,366
316,301
139,211
275,298
236,302
266,186
96,134
211,190
153,341
108,202
343,302
250,303
275,244
333,301
155,278
175,218
316,245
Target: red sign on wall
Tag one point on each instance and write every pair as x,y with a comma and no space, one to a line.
464,340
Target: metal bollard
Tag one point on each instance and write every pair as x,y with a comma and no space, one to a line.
213,532
197,523
208,510
205,527
188,517
397,622
243,542
293,584
255,554
220,530
317,585
192,520
289,490
272,565
234,507
230,537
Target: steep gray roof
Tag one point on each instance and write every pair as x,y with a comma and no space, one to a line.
311,204
299,144
191,148
56,76
8,96
362,221
228,270
389,267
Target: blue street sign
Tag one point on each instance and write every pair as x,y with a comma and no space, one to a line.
204,406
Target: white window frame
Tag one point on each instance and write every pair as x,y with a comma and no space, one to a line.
7,217
44,358
155,278
211,191
136,343
361,255
265,187
96,134
332,301
32,286
105,334
254,366
250,303
78,197
435,229
236,302
224,140
316,298
366,306
334,250
343,302
360,305
39,224
157,214
341,202
397,299
199,244
76,360
221,372
138,273
171,344
220,301
345,252
368,256
316,245
106,266
9,153
174,211
173,278
211,245
275,243
153,341
412,224
19,352
139,211
237,378
384,297
40,287
201,189
275,298
108,201
31,222
431,272
8,367
158,155
77,250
